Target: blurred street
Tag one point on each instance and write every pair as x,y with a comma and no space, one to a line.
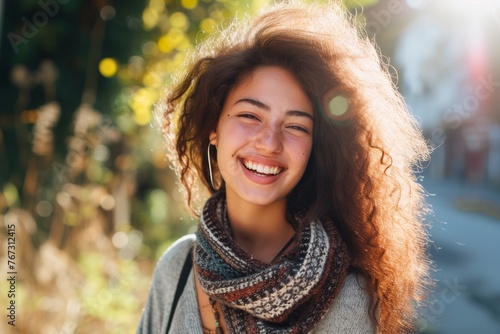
466,245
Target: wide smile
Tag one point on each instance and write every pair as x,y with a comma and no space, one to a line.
261,173
261,169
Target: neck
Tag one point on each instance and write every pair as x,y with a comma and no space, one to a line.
261,231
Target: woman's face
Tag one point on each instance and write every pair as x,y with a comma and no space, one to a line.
264,136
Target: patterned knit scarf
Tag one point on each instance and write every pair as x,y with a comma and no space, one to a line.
288,296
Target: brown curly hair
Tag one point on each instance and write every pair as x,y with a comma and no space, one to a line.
362,167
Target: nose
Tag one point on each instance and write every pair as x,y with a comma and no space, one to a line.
269,139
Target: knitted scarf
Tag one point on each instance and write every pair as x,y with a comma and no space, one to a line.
290,295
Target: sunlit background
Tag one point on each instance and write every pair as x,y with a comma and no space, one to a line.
86,185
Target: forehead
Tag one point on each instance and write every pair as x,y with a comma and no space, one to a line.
274,86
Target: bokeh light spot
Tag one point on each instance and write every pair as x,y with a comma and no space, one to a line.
189,4
179,20
44,208
171,40
107,202
120,239
149,48
101,153
217,15
108,67
64,200
164,44
157,5
151,79
150,18
184,45
135,238
198,14
141,103
10,193
208,25
338,105
142,116
108,13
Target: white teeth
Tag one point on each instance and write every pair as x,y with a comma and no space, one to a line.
261,168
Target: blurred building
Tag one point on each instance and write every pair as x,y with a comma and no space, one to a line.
447,62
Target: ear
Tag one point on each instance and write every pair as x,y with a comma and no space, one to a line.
213,138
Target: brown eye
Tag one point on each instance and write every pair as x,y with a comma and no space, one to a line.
298,128
249,116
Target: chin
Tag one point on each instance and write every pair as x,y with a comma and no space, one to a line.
263,199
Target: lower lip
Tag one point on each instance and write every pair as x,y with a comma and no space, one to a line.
267,179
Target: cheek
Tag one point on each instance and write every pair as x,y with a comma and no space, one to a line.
234,134
305,160
230,140
229,167
305,148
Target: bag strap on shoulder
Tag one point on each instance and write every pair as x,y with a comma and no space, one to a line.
186,268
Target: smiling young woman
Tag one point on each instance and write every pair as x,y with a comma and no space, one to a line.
266,133
314,219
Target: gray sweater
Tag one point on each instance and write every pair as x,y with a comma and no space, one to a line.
348,314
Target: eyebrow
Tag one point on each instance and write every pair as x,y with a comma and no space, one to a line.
264,106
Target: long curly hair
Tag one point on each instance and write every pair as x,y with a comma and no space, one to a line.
364,160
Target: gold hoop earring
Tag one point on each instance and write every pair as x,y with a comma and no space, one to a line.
210,167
